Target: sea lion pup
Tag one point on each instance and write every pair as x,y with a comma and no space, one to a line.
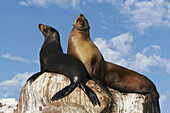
114,76
52,59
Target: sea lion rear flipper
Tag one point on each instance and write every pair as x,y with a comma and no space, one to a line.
148,106
33,77
92,96
103,86
65,91
151,103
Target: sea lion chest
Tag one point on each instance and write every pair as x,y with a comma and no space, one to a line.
84,49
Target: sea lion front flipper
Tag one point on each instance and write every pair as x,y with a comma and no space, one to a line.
92,96
33,77
103,86
65,91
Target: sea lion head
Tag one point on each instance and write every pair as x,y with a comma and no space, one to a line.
49,32
81,23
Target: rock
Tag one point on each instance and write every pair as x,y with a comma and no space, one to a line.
36,98
8,105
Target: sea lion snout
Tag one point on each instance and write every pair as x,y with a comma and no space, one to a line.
40,26
43,29
81,15
80,19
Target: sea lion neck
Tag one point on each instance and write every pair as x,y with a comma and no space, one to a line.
80,34
80,28
52,45
54,37
52,40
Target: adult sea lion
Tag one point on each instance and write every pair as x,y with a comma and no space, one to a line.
52,59
116,77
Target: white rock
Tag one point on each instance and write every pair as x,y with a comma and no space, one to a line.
8,105
36,98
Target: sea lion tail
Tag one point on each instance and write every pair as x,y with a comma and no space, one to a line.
91,95
65,91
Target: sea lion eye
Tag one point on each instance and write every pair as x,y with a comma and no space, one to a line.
51,29
45,30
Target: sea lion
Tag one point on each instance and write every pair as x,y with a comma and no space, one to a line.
114,76
53,59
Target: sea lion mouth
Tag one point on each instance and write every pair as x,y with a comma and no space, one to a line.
80,21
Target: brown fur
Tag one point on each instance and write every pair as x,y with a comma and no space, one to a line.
116,77
125,80
81,46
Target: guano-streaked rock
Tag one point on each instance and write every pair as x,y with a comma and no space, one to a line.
36,98
8,105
